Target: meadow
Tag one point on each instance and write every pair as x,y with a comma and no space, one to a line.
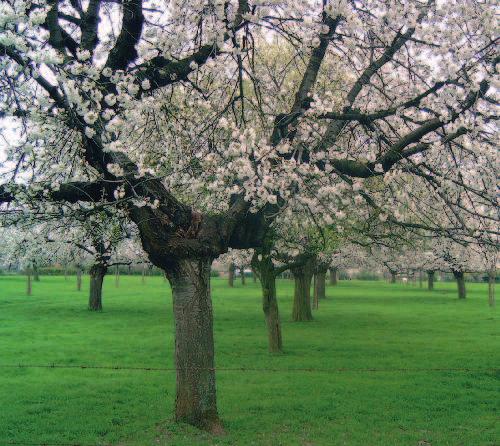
381,364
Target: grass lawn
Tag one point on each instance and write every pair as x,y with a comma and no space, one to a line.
361,325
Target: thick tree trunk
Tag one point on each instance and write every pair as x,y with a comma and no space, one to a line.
28,282
393,277
242,272
194,344
78,278
97,273
302,294
230,275
430,280
320,283
333,276
491,286
460,278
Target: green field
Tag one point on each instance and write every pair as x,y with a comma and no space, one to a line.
382,335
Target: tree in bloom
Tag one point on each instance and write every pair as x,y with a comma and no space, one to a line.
175,113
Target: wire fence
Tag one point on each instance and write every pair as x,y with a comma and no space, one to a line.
254,369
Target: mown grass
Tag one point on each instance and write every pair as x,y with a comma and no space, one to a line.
361,325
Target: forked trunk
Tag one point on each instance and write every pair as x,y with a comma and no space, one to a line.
459,276
195,401
430,280
230,275
97,273
491,286
333,276
320,283
302,293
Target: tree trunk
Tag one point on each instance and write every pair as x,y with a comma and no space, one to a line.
78,278
420,279
267,277
393,277
242,272
254,276
28,282
315,300
230,275
491,286
97,273
320,283
302,293
430,280
333,276
36,274
194,344
143,280
65,273
459,276
117,276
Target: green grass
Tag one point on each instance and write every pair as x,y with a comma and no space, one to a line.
362,325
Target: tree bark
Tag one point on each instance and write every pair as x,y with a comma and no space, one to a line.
302,293
28,282
97,273
393,277
420,279
36,274
491,286
242,272
78,278
194,343
333,276
315,300
230,275
320,284
430,280
460,278
267,277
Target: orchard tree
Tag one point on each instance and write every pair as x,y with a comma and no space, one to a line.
175,113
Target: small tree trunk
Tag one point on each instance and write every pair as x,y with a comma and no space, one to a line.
315,300
491,286
195,401
267,277
459,276
129,270
78,278
230,275
28,282
302,293
117,276
242,272
97,273
333,276
36,274
393,277
65,273
320,282
420,279
430,280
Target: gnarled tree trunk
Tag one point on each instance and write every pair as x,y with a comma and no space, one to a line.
97,273
491,286
230,275
302,293
460,278
195,401
430,280
333,276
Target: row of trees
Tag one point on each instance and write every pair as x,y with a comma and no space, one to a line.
208,126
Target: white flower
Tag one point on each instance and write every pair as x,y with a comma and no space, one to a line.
90,117
193,65
316,42
133,89
107,72
379,168
83,55
110,99
89,132
145,84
